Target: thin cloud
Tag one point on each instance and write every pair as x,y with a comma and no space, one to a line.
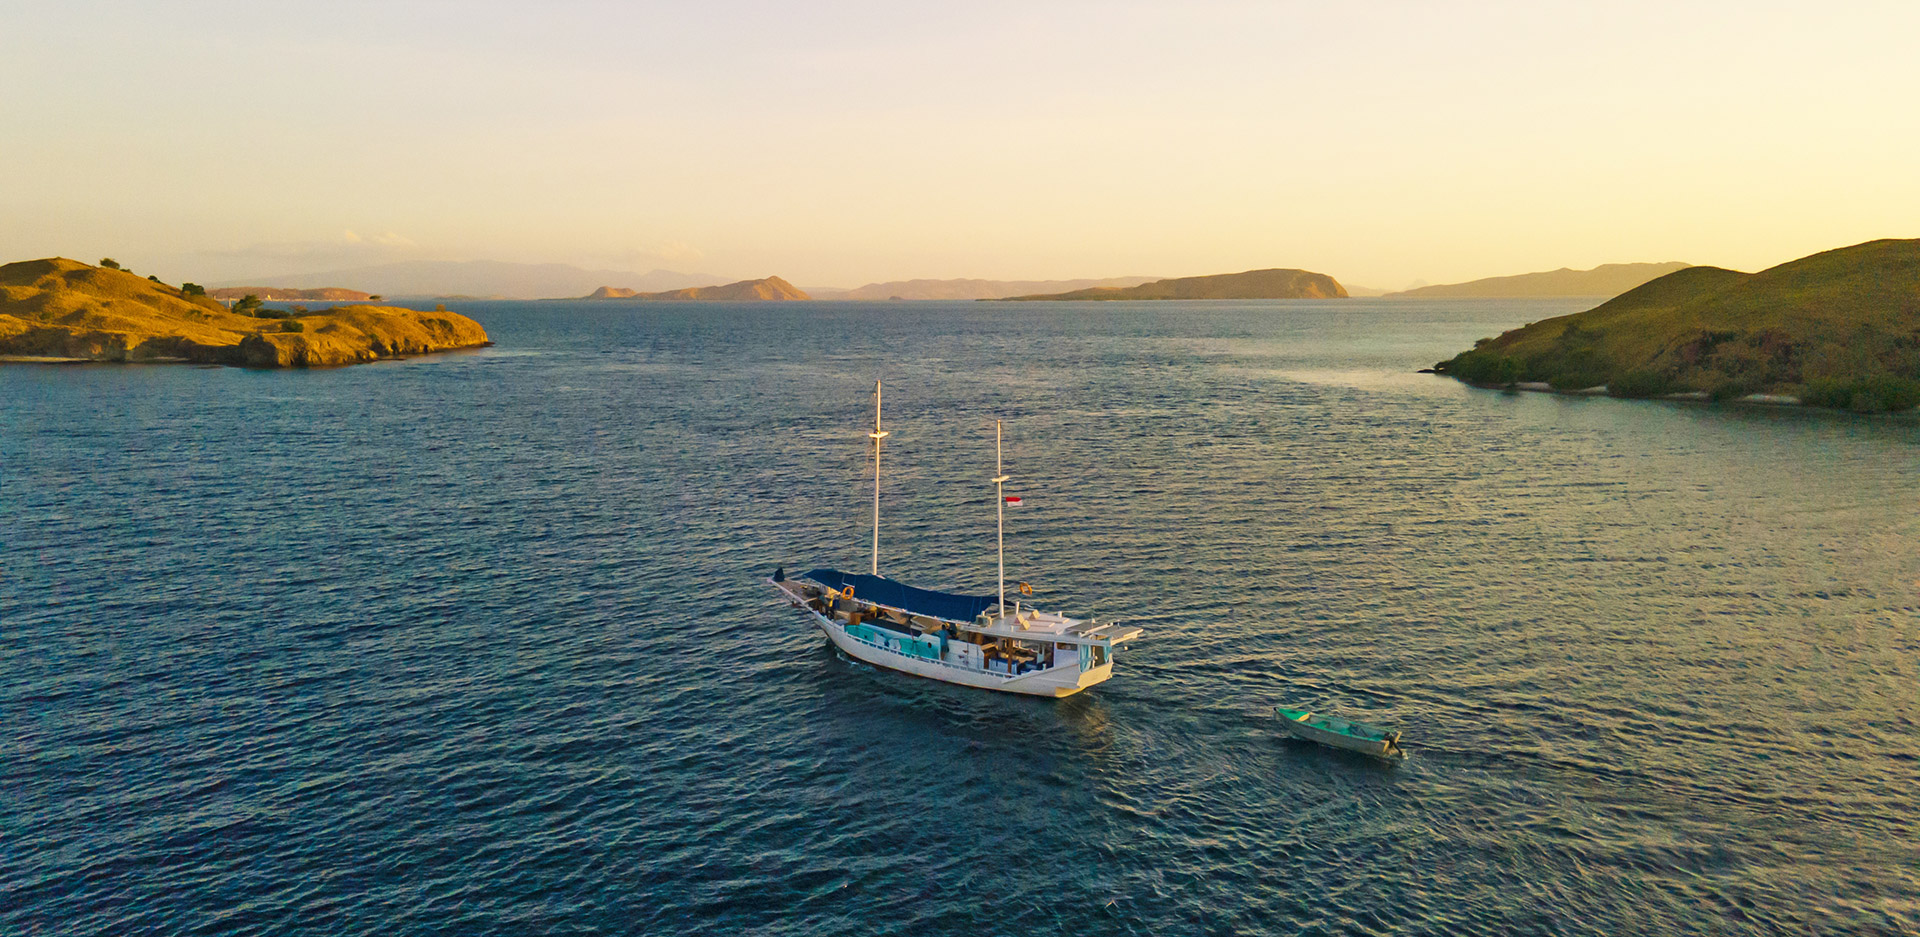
671,253
268,258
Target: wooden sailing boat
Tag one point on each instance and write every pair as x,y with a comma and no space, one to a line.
977,641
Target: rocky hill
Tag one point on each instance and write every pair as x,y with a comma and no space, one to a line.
1277,283
1837,329
1604,280
65,310
969,289
769,289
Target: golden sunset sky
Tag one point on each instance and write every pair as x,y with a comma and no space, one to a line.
843,143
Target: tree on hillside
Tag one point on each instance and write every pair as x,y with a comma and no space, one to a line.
109,263
248,304
193,289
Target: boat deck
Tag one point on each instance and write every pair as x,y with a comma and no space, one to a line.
1020,624
1028,624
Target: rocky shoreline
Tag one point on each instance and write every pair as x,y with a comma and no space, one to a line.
1697,396
1750,400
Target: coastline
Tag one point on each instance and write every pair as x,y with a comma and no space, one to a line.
174,359
1696,396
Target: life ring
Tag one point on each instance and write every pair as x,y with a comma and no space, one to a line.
1026,589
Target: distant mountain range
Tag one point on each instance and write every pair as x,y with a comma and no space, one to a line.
1277,283
326,293
1604,280
767,289
492,279
967,289
487,279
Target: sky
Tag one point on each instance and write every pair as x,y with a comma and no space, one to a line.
835,143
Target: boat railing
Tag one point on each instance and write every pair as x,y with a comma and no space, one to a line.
932,660
1007,674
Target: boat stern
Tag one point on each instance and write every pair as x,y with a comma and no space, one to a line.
1059,681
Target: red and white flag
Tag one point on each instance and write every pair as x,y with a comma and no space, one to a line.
1013,501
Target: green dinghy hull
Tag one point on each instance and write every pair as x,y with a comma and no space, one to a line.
1336,732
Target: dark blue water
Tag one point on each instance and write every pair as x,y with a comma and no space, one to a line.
477,643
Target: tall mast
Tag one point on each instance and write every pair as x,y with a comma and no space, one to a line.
876,436
1000,515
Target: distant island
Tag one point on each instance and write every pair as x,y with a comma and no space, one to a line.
767,289
1838,329
63,310
1279,283
476,279
1604,280
331,294
968,289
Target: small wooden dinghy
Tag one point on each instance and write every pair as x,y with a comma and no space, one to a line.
1341,733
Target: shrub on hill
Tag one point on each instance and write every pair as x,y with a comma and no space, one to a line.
1880,393
1572,363
1640,384
1482,367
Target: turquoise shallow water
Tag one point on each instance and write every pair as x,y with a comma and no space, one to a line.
477,643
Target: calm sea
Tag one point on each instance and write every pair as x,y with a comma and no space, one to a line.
478,643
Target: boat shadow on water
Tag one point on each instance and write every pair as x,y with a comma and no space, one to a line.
1304,752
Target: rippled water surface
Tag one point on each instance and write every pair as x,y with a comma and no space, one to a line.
478,643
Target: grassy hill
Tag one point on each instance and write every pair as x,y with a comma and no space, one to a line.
1604,280
1837,329
63,309
1253,284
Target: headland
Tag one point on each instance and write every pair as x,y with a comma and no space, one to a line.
1837,329
60,309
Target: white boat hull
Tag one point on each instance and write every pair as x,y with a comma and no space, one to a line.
1054,681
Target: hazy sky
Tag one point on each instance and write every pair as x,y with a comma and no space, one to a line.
841,143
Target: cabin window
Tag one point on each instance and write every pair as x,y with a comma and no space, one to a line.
1099,655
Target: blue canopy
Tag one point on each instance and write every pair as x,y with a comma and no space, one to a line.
883,591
